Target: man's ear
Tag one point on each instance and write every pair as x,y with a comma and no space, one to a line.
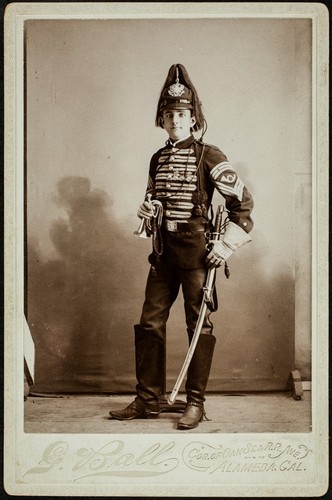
193,121
161,122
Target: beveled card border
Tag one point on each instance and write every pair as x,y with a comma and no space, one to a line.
154,464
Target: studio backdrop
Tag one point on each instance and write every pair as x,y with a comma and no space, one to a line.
92,88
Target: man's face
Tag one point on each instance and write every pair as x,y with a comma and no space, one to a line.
177,123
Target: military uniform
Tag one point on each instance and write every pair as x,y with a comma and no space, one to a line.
182,178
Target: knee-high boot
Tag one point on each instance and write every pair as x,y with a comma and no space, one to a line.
197,379
150,360
149,357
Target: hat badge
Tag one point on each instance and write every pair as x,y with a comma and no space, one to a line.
177,89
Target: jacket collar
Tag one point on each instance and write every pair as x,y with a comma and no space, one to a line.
182,143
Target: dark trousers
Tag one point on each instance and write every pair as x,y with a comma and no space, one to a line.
162,289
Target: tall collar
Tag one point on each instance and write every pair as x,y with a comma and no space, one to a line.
183,143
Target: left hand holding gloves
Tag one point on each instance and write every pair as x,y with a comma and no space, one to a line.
221,250
218,254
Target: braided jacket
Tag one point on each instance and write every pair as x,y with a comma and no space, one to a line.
183,178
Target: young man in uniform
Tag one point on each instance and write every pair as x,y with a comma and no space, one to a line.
182,177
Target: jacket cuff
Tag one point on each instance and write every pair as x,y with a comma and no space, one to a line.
235,237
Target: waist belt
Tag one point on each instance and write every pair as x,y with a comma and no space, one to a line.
174,226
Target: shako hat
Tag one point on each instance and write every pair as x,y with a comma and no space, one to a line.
178,92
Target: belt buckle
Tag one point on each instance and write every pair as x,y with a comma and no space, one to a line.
171,225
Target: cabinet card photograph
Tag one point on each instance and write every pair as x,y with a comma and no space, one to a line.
166,249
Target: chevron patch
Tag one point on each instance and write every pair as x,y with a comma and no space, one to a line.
226,180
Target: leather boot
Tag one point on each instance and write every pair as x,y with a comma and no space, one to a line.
197,379
149,357
137,409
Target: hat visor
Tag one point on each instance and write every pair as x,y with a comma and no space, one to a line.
176,105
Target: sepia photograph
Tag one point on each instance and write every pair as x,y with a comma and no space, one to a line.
166,274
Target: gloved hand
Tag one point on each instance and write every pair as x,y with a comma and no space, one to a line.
146,210
221,250
218,254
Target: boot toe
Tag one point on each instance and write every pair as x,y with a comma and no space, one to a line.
128,413
135,410
191,417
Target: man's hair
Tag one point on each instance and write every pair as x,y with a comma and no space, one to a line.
184,78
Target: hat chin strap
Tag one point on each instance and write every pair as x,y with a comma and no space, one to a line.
205,127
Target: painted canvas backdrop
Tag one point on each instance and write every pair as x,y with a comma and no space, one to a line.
91,92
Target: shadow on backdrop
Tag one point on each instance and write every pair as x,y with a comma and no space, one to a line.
78,303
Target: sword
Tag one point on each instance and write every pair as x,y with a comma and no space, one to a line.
207,299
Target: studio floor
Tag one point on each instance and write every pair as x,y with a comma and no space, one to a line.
236,413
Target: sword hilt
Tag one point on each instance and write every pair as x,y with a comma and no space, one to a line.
218,221
218,225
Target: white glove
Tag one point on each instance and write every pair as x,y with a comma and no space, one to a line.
219,253
221,250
